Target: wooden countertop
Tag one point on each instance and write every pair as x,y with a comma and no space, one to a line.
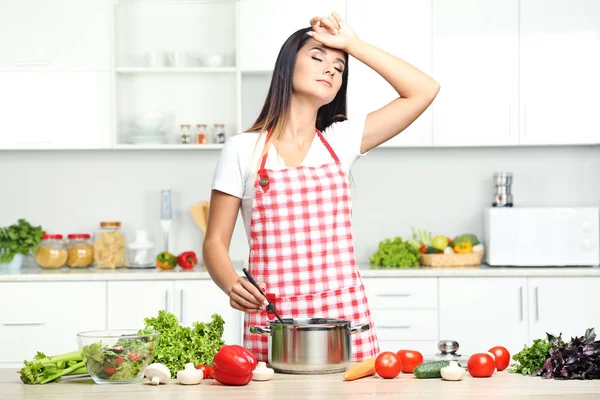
500,386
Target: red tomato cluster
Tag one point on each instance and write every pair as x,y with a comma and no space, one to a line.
388,364
483,365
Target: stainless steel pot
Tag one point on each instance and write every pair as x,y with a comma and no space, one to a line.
310,345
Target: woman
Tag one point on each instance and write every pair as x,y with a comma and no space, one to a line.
289,175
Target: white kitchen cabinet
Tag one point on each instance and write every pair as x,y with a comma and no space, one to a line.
198,300
560,60
266,24
55,109
480,313
402,28
129,302
55,35
475,60
567,305
46,317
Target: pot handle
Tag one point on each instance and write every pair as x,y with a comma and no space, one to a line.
260,330
359,328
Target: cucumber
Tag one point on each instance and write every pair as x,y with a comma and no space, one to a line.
430,369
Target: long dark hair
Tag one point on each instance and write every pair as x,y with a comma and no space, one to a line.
276,110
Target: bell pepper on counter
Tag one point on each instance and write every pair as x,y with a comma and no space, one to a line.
166,260
233,365
187,259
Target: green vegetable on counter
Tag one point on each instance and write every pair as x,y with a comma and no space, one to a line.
21,238
466,238
430,370
44,369
179,345
530,359
395,254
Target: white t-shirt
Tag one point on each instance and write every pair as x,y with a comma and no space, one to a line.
240,159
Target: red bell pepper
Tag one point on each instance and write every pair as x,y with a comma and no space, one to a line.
233,365
187,259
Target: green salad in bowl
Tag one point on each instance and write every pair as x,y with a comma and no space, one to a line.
117,356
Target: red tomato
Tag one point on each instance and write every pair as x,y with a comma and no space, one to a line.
388,365
209,372
481,365
119,360
502,357
204,370
410,359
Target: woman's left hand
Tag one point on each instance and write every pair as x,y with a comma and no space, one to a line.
332,31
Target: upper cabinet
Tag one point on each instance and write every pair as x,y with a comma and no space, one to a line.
266,24
55,35
404,30
560,60
475,60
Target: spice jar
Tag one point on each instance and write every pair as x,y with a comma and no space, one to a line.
109,246
220,133
80,250
185,134
201,134
51,253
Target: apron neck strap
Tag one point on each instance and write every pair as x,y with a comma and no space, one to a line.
325,142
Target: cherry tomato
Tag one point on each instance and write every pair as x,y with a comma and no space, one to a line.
410,359
119,360
481,365
109,370
209,372
502,357
388,365
204,370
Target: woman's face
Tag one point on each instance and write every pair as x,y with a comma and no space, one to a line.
318,71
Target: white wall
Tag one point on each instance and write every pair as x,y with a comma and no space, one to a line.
442,190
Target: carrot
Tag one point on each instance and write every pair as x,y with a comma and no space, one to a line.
360,370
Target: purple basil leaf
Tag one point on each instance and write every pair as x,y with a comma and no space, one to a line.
590,335
564,372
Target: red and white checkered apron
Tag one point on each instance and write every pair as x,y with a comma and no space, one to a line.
302,248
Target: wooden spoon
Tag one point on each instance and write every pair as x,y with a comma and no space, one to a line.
199,214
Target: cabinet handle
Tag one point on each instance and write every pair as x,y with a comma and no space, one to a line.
166,300
32,63
394,295
181,307
394,326
521,303
509,120
23,323
524,119
537,305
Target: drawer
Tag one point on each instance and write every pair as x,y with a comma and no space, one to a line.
46,316
424,347
401,325
394,293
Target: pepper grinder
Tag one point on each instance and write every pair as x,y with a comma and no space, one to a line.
166,215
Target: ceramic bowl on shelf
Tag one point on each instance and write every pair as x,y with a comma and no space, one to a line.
150,122
213,60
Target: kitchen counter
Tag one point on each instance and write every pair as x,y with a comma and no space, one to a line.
36,274
500,386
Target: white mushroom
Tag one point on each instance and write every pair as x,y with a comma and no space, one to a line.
261,372
190,375
157,373
453,372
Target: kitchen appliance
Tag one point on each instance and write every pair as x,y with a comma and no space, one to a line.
503,196
310,345
166,216
542,236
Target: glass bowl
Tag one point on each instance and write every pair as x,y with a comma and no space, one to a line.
117,356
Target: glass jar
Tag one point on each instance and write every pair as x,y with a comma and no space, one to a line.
185,134
52,252
201,134
219,133
80,250
109,246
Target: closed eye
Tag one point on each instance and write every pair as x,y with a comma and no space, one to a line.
318,59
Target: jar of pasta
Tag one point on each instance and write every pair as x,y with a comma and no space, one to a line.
51,253
109,246
80,250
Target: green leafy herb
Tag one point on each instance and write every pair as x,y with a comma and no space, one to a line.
530,359
178,345
21,238
395,254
